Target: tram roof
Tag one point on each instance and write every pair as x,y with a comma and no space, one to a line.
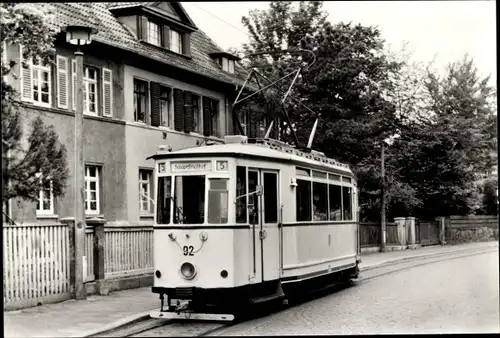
263,151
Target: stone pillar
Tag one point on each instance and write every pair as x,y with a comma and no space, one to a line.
70,222
400,226
99,254
410,227
442,230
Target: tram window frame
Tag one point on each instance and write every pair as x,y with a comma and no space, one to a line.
317,214
347,199
241,208
303,213
271,198
223,211
177,212
340,182
164,200
339,199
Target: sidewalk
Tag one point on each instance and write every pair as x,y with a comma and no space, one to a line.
100,313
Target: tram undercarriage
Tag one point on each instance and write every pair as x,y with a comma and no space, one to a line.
226,304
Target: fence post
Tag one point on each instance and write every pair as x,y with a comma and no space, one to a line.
442,229
410,226
400,226
99,254
70,222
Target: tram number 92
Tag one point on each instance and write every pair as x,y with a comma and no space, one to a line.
188,250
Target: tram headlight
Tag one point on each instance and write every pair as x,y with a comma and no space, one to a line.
188,271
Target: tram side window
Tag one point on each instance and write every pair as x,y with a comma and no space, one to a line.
163,207
335,202
241,189
189,199
218,201
303,200
347,203
320,201
270,198
253,181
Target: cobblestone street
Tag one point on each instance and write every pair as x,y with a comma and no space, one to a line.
452,296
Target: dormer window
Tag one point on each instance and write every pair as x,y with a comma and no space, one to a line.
226,61
226,64
175,41
154,33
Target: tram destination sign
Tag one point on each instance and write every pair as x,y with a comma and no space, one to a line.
191,166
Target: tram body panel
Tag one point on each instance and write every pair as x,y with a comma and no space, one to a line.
334,248
214,256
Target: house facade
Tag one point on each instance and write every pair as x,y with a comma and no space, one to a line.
151,78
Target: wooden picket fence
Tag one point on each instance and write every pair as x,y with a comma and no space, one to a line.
35,264
128,251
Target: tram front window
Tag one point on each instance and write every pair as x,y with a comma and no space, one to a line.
189,199
218,201
163,200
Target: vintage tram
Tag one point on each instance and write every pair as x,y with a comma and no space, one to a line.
246,222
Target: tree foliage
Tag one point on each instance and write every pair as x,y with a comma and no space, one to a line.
23,158
364,94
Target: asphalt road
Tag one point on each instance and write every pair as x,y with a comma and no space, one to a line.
457,295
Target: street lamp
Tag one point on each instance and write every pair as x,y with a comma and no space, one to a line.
79,35
389,140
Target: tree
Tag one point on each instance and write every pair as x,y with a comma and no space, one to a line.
458,144
26,169
346,86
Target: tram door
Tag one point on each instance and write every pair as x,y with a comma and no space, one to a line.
265,217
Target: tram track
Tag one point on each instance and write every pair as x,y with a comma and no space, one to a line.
157,327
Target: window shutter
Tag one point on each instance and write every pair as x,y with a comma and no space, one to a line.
178,109
73,74
186,44
107,92
188,112
62,81
143,28
207,125
166,37
155,104
27,79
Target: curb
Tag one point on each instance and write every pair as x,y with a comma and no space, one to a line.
426,255
116,324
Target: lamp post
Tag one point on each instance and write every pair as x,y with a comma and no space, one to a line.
79,35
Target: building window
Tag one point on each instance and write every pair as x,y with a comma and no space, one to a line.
165,114
45,203
154,33
41,82
227,65
92,190
140,100
145,197
210,116
175,41
196,114
90,90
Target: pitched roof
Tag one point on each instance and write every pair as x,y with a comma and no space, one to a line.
113,33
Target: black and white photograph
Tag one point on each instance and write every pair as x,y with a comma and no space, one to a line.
234,168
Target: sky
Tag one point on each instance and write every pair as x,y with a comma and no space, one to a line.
444,30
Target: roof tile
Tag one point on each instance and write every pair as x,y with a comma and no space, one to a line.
112,32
